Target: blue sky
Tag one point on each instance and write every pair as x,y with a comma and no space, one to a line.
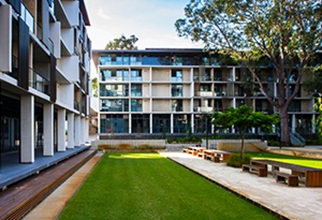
152,21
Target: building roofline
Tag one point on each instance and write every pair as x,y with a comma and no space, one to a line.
84,13
154,50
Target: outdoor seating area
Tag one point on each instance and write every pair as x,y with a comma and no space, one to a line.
208,154
292,174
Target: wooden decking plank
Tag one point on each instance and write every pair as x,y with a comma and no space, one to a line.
20,198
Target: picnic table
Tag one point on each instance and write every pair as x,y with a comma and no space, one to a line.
312,176
217,155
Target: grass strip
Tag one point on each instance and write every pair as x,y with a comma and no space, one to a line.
149,186
309,162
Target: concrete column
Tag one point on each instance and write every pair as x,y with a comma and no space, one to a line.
27,146
82,131
77,130
151,124
71,140
171,124
61,116
293,123
86,129
48,130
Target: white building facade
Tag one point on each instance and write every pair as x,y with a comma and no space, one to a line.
170,91
45,87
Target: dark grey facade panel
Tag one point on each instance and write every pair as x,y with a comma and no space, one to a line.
16,5
53,92
23,52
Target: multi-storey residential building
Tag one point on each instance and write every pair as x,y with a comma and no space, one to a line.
44,76
171,91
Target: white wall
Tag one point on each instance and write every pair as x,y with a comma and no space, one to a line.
5,39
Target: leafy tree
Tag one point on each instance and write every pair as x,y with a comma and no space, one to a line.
95,87
318,108
122,43
287,33
243,119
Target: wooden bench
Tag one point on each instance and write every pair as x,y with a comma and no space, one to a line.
216,159
290,179
259,170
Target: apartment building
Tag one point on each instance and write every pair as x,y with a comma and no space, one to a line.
158,91
45,57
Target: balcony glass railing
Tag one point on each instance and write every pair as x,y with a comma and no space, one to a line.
38,82
76,105
14,71
27,17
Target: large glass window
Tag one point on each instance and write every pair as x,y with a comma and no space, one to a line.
176,105
114,90
114,105
136,90
161,124
181,123
136,105
176,75
114,123
115,75
136,75
140,123
176,90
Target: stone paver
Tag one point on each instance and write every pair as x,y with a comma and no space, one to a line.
291,202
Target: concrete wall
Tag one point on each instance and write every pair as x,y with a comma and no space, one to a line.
133,143
249,145
235,145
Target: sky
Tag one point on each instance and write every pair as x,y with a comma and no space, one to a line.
152,21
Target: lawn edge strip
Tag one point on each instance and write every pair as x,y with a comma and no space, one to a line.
275,213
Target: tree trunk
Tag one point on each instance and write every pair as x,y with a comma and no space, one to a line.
242,146
285,128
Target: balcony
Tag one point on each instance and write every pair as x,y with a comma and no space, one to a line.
38,82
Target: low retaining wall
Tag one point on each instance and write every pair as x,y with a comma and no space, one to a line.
315,154
129,144
235,145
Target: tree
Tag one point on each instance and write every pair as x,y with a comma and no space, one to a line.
287,33
95,87
243,119
318,108
122,43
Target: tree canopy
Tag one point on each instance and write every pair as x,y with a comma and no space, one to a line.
122,43
244,118
287,33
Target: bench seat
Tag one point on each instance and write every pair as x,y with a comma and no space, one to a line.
259,170
290,179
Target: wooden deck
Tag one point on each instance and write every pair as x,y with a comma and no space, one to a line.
20,198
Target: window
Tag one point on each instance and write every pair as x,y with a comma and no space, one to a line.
176,75
136,90
114,90
136,105
136,75
176,90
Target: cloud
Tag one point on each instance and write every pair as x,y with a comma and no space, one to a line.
102,15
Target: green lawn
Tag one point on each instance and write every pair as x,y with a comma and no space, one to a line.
315,163
149,186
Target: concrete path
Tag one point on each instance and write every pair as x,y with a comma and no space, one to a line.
291,202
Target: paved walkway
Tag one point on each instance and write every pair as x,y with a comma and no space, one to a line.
291,202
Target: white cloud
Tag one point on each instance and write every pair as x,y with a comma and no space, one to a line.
102,15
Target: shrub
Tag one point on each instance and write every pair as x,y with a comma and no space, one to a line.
236,161
124,146
104,146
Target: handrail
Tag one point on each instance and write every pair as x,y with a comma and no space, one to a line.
38,82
